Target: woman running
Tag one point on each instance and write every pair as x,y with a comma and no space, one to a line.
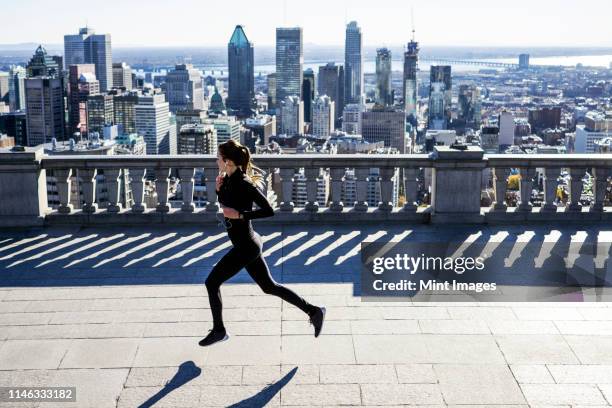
237,191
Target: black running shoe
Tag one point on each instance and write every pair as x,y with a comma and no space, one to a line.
213,337
316,319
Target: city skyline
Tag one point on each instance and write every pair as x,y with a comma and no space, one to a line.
564,23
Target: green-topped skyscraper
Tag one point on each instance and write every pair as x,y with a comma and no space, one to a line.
241,90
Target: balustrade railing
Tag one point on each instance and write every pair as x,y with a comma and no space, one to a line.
448,185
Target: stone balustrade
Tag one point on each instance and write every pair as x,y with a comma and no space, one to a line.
453,181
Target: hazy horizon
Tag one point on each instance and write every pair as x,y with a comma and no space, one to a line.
189,23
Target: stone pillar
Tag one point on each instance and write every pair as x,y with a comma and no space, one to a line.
88,186
210,179
336,175
525,188
576,175
137,177
386,188
112,183
186,176
551,174
500,177
361,187
286,175
311,174
23,188
411,189
162,186
63,183
456,185
600,183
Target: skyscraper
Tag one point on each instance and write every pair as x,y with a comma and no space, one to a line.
330,83
122,75
323,116
4,87
271,82
82,82
385,124
440,94
41,64
44,94
411,59
469,106
289,62
152,122
197,139
383,77
353,64
86,47
241,76
184,88
100,112
17,76
292,116
308,93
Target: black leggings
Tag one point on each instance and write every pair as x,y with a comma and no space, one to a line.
246,253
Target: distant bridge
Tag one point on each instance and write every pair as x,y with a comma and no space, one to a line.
448,61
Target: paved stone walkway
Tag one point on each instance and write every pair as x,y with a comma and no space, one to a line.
118,314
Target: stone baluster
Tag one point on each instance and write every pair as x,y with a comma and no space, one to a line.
500,177
64,184
88,185
336,174
162,188
386,189
576,175
311,174
112,183
210,179
411,189
361,176
551,175
600,184
286,175
137,177
525,188
187,183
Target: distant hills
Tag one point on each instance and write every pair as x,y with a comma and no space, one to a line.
265,54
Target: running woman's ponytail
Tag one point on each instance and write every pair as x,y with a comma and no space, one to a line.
241,156
249,168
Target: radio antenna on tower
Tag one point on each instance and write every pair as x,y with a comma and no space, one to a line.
412,18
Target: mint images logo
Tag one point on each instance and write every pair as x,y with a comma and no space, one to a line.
481,271
412,265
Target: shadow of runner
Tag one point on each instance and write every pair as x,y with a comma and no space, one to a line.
187,371
264,396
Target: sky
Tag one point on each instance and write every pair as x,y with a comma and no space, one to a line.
210,23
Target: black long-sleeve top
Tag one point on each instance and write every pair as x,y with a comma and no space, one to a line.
239,192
